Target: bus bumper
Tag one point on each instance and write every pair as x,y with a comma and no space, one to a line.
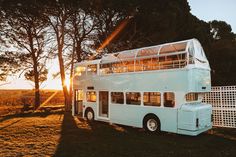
194,132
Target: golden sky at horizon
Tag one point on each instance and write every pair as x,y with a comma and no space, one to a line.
15,82
25,84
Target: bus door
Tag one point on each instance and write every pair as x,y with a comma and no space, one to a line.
103,104
78,102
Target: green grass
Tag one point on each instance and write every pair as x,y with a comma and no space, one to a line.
59,134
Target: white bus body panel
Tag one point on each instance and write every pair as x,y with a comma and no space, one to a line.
189,113
133,115
177,80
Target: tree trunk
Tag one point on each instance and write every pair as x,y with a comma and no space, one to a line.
59,29
35,68
63,78
36,82
71,76
78,51
36,92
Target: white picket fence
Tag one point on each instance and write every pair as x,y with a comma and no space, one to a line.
223,100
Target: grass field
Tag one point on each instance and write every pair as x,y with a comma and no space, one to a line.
59,134
12,101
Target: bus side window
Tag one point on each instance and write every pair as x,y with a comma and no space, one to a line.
169,99
91,96
152,99
117,97
191,97
133,98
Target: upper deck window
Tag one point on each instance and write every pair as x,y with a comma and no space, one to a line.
117,67
92,69
80,70
128,66
144,64
105,68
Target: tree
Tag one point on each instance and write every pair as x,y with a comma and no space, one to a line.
220,30
9,65
57,15
222,53
26,31
148,23
109,15
82,26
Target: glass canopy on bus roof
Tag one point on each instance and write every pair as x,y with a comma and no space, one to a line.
149,51
192,46
170,48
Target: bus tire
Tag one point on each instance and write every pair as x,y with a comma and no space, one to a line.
89,114
151,123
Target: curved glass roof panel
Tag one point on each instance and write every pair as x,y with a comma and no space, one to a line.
150,51
127,54
176,47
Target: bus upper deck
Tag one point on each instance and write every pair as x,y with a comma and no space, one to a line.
160,57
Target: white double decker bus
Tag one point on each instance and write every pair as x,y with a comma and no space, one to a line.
158,88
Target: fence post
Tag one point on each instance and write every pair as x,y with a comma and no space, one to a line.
221,107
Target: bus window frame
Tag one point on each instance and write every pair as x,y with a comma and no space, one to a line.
87,96
159,95
92,72
191,95
164,100
140,101
117,92
81,73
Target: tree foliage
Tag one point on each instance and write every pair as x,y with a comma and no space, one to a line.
80,27
26,31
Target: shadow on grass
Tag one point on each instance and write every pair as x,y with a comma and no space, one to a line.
1,128
79,138
30,114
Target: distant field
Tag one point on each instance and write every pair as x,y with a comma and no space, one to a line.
12,101
58,134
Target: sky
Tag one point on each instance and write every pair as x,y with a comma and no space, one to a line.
15,82
206,10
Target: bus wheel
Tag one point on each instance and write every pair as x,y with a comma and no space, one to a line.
151,124
89,114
